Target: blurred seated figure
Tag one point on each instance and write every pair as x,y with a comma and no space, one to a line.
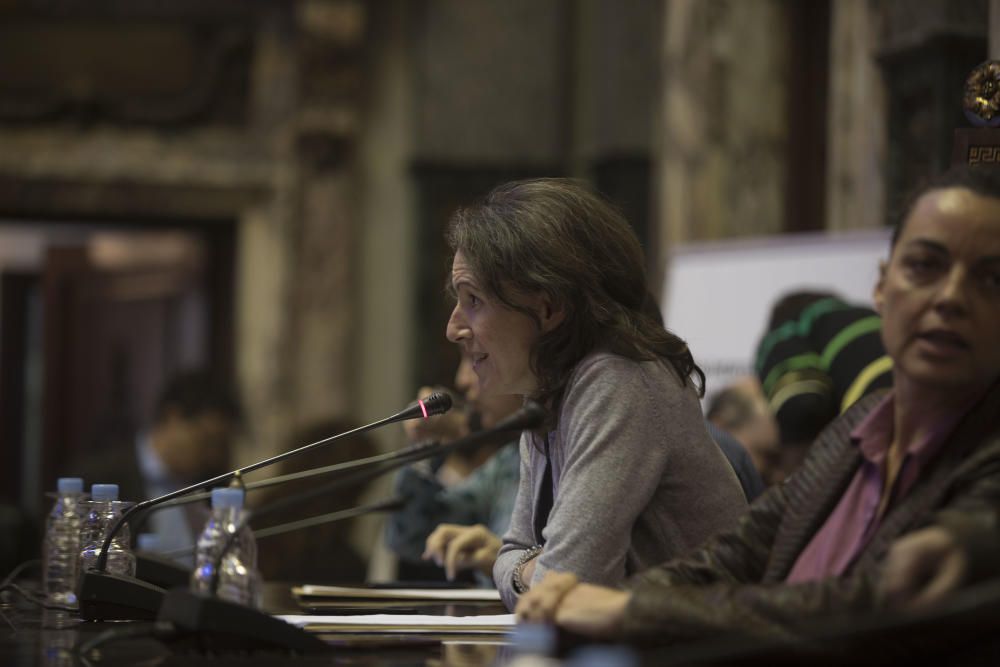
319,554
818,357
483,499
741,410
893,464
195,419
925,566
746,472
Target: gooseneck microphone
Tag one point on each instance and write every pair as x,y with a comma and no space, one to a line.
105,596
215,624
434,404
530,415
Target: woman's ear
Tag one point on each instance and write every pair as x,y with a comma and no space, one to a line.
550,314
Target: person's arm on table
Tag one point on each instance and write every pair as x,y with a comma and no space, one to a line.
599,611
518,538
709,593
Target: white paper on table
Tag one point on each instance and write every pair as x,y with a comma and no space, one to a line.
401,620
450,595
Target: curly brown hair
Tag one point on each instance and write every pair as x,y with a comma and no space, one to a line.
559,238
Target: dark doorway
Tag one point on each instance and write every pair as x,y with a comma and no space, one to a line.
93,326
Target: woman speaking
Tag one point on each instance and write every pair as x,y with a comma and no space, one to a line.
550,296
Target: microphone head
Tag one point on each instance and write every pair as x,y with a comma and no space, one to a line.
437,403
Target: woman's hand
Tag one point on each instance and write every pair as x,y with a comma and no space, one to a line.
922,568
560,598
462,548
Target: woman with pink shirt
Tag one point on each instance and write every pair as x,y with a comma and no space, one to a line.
925,454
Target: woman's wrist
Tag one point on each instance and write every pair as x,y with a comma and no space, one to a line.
520,585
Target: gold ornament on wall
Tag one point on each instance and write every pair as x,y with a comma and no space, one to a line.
982,95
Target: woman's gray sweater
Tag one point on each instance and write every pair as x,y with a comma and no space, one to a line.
637,480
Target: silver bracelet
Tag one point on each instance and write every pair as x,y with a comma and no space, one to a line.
526,555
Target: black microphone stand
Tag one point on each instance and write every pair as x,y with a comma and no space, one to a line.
106,596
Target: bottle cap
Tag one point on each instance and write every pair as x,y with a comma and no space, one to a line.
104,492
603,656
534,638
67,485
225,498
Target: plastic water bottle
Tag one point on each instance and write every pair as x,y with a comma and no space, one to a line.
62,543
104,511
238,579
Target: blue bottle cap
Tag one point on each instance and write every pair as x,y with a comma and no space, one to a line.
535,638
225,498
104,492
67,485
599,655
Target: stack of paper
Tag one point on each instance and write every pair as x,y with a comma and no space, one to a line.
400,623
442,595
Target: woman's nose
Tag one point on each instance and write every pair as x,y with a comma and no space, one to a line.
952,296
457,329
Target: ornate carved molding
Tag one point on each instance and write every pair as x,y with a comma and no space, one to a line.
140,73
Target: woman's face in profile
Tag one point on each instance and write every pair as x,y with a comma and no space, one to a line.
939,294
496,339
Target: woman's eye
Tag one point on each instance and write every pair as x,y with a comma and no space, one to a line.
991,280
922,265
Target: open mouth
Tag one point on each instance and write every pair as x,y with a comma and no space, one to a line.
478,359
943,339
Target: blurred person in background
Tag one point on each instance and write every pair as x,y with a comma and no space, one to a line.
741,410
467,512
190,439
818,357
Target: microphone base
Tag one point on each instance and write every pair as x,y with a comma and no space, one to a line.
112,597
160,571
211,624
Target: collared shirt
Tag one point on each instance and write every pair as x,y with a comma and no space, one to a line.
171,525
856,518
